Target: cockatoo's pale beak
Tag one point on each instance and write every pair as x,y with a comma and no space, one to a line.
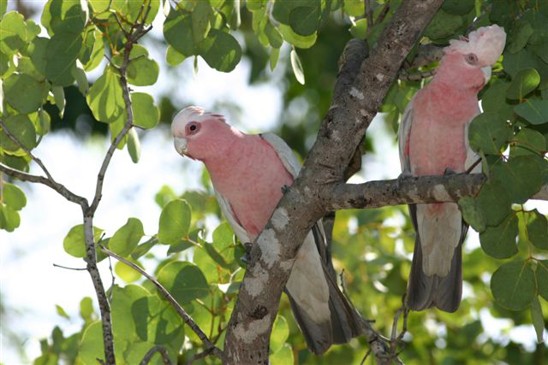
180,145
486,73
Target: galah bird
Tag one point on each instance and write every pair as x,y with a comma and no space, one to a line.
433,140
248,173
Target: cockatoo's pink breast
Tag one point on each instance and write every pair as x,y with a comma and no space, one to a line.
252,184
437,140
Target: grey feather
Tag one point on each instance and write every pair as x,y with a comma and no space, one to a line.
425,291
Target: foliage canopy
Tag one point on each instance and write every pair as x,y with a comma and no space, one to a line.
203,274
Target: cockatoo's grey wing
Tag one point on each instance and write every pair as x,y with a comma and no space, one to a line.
226,209
403,138
313,274
286,155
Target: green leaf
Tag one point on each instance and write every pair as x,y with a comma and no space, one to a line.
359,29
93,49
105,97
145,113
295,39
9,218
22,129
174,222
127,273
200,21
514,62
494,99
3,7
63,50
81,80
35,93
537,319
274,57
178,33
280,332
274,36
493,202
61,312
221,51
519,37
86,309
184,280
541,274
471,214
63,16
15,33
523,83
526,142
534,111
91,345
13,196
133,145
173,57
141,71
537,229
488,133
458,7
126,238
521,177
304,20
283,356
74,242
37,52
59,97
444,25
513,285
500,241
297,67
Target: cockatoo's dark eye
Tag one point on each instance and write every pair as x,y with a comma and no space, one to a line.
192,128
471,59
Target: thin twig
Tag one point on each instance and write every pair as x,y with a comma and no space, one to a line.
156,349
70,268
27,151
209,346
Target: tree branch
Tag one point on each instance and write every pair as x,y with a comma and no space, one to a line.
405,190
59,188
273,254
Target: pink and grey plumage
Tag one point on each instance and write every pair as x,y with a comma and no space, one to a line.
433,139
248,173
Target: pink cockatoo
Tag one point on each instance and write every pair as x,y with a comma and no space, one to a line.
433,140
248,173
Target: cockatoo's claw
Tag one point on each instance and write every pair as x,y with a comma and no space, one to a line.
285,189
401,177
246,258
449,171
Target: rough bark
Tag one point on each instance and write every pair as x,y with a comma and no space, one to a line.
355,103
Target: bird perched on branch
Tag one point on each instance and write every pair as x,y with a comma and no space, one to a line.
433,140
248,173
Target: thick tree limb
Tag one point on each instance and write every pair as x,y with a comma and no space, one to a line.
355,103
405,190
